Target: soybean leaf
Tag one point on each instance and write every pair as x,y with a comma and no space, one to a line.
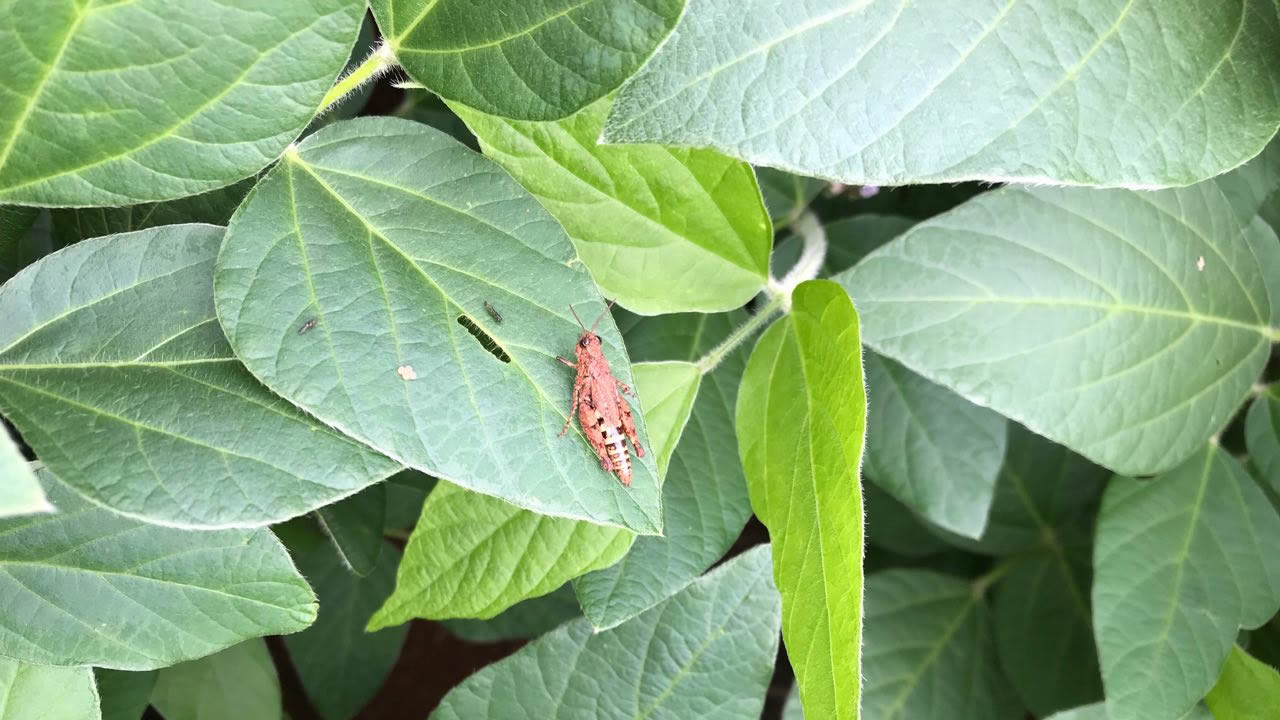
851,239
1181,563
524,59
1098,711
90,120
894,527
406,491
1247,690
706,652
124,695
472,555
214,207
526,619
801,418
661,229
371,229
704,496
39,692
1036,91
78,577
355,527
792,709
931,449
666,391
20,492
340,665
1262,433
427,108
26,235
1000,298
239,682
786,195
928,652
114,369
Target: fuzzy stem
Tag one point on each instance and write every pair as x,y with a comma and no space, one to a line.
807,267
378,62
708,362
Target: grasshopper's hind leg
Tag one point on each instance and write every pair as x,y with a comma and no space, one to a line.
629,427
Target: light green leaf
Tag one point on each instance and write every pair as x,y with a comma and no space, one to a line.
931,449
704,496
1247,690
801,418
355,527
390,236
1262,433
1098,711
1001,298
894,527
786,195
79,578
1181,563
20,492
176,109
524,59
666,391
39,692
706,652
124,695
473,556
928,653
526,619
340,665
214,207
239,682
876,92
114,369
661,229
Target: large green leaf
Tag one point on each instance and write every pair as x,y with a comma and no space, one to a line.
524,59
20,492
385,238
801,420
851,239
472,555
1101,92
896,528
1055,307
928,653
704,496
931,449
239,682
340,665
26,235
355,526
666,391
124,695
1247,690
95,588
129,102
1181,563
526,619
706,652
114,369
661,229
1262,433
1098,711
39,692
214,207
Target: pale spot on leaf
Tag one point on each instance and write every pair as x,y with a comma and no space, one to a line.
1200,263
406,372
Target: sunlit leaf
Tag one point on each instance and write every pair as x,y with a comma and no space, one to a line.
1247,690
40,692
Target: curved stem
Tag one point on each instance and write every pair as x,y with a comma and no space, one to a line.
378,62
708,362
811,258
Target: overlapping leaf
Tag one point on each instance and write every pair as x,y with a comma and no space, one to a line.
1248,689
239,682
891,93
124,695
1055,307
26,235
352,280
786,195
894,527
1181,563
526,619
113,367
355,526
801,419
706,652
92,118
20,492
1262,432
524,59
661,229
214,207
40,692
1098,711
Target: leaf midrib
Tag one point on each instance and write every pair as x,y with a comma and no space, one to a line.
491,43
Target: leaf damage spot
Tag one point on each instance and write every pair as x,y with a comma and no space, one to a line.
1200,263
406,372
486,341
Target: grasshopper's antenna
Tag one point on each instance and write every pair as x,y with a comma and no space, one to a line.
575,317
606,312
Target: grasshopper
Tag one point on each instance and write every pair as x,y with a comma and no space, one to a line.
602,411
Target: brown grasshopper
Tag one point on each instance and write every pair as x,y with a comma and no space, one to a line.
602,411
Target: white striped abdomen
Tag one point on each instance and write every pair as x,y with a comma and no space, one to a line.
618,454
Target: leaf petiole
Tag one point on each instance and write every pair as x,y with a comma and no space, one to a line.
379,61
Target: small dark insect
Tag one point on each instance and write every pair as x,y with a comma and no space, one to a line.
306,326
602,411
497,316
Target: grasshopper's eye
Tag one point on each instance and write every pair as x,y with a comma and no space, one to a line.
585,341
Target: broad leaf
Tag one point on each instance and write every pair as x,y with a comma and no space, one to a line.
1247,690
786,195
371,236
214,207
1181,563
666,391
472,555
707,652
355,527
124,695
928,653
525,59
1262,433
888,93
894,527
931,449
114,369
406,491
26,235
526,619
704,496
79,577
427,108
851,239
661,229
1001,298
92,119
340,665
39,692
20,492
1098,711
801,419
239,682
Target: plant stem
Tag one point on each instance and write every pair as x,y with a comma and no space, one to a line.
984,582
708,362
377,63
811,258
